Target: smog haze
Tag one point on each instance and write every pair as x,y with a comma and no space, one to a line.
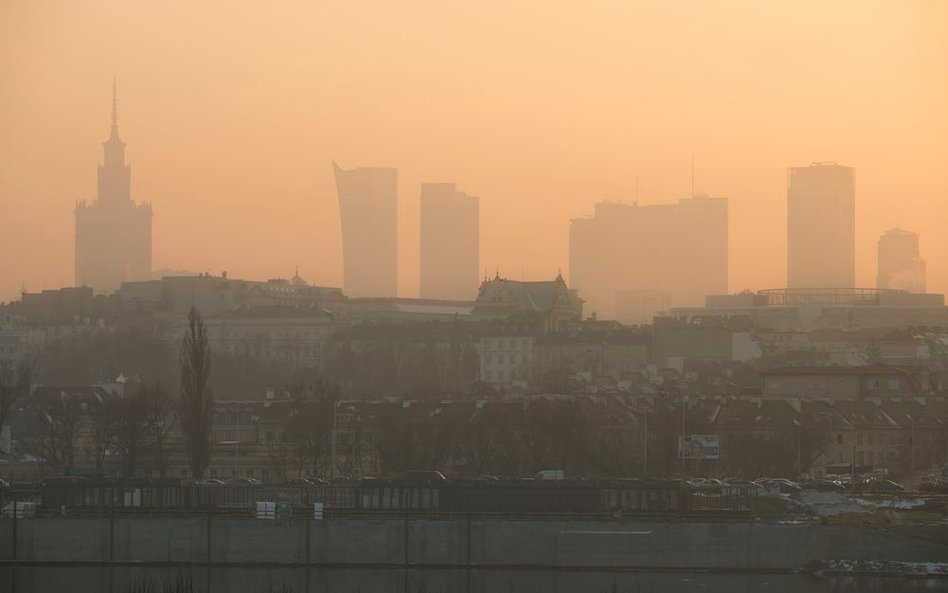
233,113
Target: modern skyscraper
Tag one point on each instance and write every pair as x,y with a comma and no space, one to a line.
113,234
679,250
821,226
900,266
449,243
368,209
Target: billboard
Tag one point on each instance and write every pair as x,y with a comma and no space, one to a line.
699,446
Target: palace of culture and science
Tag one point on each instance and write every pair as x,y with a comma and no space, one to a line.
113,233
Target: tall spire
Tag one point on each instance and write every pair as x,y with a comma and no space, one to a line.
114,103
114,173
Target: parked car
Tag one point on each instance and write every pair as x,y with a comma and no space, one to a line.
739,483
300,482
933,485
424,474
885,486
782,485
211,482
307,482
823,485
243,481
705,483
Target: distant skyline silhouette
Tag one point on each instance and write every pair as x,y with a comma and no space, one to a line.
540,109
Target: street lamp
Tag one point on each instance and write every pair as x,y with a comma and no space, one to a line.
236,445
852,467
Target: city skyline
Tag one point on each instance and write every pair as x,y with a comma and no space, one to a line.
498,296
557,137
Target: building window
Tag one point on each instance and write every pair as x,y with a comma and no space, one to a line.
894,384
872,383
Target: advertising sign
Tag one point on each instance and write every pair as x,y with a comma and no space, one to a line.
699,446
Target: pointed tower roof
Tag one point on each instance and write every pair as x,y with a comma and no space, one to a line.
113,134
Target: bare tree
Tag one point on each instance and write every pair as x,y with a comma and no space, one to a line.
197,401
13,384
128,429
161,415
61,417
309,427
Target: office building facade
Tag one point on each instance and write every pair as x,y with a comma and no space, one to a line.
900,266
450,243
679,250
368,211
821,226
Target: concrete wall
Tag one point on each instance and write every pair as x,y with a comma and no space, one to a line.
340,554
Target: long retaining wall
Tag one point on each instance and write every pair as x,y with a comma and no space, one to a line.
224,554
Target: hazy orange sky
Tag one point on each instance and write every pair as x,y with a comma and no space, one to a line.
233,111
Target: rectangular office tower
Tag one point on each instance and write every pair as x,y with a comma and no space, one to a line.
678,251
450,243
368,210
821,226
900,266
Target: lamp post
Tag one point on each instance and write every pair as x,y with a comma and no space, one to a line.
332,470
852,466
236,445
645,448
684,405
